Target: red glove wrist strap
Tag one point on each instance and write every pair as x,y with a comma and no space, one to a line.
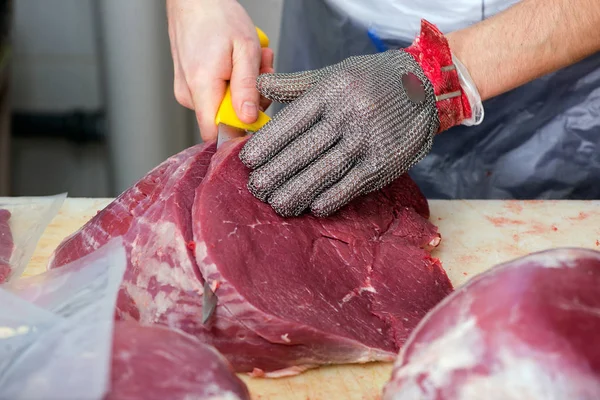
432,51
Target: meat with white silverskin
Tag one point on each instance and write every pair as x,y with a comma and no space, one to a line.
526,329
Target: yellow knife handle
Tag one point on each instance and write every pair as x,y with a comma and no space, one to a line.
262,37
226,114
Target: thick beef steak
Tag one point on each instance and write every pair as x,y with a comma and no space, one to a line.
347,288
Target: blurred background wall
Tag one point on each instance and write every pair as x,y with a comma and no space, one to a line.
91,103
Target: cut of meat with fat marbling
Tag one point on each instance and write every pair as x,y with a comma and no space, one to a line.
293,293
6,245
344,289
162,283
526,329
160,363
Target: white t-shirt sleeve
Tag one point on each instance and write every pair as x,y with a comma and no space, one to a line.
401,19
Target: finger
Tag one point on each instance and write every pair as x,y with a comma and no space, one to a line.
266,61
295,157
266,67
246,60
182,92
207,96
287,87
360,180
285,127
296,195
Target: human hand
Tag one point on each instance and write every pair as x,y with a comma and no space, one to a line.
212,42
353,127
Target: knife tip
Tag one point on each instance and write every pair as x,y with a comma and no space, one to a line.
209,303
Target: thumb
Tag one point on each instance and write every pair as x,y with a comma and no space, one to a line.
287,87
246,60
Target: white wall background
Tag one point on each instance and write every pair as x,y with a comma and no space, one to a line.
58,67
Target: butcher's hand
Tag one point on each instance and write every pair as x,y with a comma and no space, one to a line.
356,126
212,42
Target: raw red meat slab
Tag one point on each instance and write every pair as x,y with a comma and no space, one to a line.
343,289
526,329
6,245
160,363
163,285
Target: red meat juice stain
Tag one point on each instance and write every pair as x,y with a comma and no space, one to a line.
538,229
192,247
502,221
514,206
579,217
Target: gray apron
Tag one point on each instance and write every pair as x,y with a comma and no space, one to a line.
539,141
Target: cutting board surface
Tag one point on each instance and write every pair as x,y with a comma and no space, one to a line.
476,235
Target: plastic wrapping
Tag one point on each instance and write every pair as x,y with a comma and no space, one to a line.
468,86
56,329
22,223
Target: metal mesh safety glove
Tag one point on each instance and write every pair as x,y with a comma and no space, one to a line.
356,126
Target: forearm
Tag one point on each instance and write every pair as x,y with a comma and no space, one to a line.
527,41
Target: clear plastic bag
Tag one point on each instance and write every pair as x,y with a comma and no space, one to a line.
56,329
23,220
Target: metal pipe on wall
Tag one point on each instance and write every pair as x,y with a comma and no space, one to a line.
145,123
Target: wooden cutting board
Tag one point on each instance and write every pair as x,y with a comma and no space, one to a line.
476,235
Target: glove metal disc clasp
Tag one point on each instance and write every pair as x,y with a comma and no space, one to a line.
413,87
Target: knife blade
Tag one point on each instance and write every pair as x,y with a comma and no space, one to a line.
227,132
228,124
209,303
230,127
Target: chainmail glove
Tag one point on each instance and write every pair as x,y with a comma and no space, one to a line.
353,127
